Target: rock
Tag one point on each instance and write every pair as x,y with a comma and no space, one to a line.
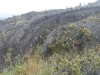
90,69
20,35
50,38
94,27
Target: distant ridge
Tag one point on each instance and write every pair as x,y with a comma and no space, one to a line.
5,15
2,18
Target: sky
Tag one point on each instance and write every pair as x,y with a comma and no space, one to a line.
17,7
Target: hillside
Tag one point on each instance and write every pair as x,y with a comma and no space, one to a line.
20,35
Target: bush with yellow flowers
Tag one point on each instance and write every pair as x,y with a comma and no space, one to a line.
73,37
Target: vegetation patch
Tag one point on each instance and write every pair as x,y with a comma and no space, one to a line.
66,63
71,38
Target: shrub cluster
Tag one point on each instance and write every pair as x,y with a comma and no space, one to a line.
72,37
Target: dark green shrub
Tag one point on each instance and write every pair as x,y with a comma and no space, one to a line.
72,37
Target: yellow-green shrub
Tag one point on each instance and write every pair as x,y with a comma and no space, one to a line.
70,38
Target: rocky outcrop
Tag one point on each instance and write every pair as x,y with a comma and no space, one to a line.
94,27
19,34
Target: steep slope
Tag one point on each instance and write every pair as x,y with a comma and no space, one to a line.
19,35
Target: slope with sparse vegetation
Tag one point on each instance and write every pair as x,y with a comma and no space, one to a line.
53,42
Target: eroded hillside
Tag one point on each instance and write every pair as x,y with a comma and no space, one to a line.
20,34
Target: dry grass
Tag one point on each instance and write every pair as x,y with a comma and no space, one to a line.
92,18
33,64
1,36
56,64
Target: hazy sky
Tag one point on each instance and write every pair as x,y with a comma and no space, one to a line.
23,6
